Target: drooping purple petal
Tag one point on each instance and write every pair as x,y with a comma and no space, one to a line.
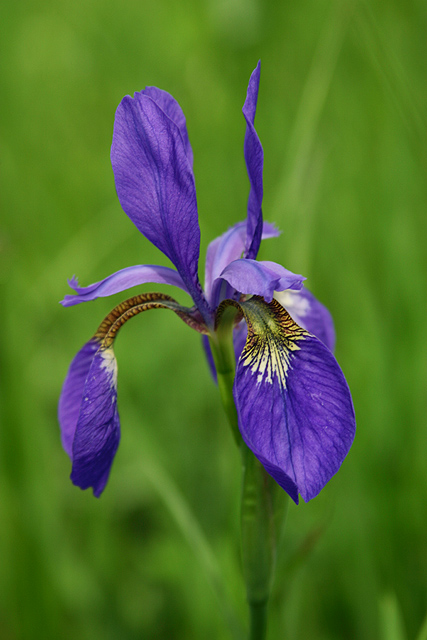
72,393
260,278
155,185
97,433
254,157
170,106
122,280
226,248
309,313
294,406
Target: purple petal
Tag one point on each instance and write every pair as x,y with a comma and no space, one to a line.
294,406
209,357
97,433
254,158
121,280
72,393
171,108
155,185
225,249
309,313
260,278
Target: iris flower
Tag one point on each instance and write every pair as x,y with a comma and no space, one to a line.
293,404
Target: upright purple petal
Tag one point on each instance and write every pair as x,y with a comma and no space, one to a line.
309,313
294,406
122,280
155,185
170,106
97,433
254,157
223,250
72,393
260,278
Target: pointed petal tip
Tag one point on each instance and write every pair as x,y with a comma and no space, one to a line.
73,282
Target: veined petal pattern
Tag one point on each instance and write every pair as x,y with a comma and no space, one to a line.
294,406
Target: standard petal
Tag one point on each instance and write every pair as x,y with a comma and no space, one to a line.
122,280
155,185
261,278
254,157
223,250
72,393
170,106
309,313
294,406
97,433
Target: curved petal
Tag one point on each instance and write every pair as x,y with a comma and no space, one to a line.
294,406
155,185
309,313
170,106
223,250
122,280
254,157
97,433
260,278
72,393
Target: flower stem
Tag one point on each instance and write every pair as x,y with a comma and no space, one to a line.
258,613
225,363
264,503
263,511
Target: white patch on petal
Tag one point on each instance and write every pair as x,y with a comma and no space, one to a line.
109,363
297,306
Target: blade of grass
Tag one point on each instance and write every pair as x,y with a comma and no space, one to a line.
293,183
191,530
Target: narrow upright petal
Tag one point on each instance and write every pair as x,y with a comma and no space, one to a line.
309,313
122,280
72,393
294,406
254,157
260,278
97,433
155,185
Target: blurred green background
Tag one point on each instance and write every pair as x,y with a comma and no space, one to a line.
342,118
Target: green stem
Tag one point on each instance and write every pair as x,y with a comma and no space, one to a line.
263,502
258,613
225,362
264,506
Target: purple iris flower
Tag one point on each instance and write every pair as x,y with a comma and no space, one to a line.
293,404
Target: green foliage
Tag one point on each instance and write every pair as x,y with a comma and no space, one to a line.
342,118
